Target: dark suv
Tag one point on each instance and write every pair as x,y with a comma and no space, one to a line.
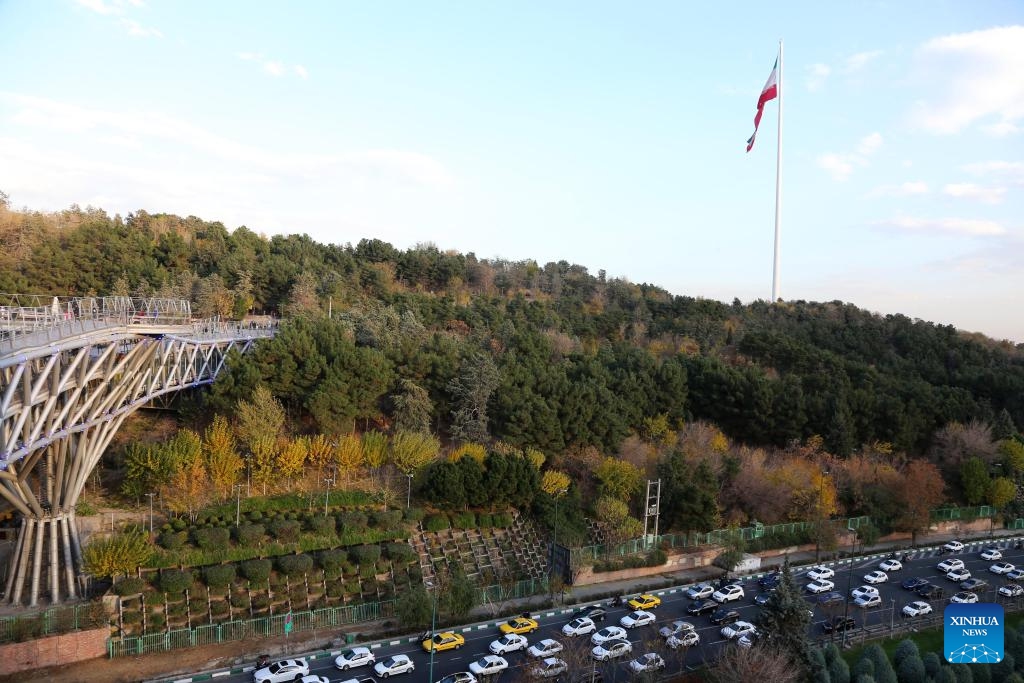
838,624
702,606
931,592
724,615
595,612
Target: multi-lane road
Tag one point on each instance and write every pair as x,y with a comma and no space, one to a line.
921,564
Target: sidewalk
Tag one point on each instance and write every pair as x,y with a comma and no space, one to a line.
243,653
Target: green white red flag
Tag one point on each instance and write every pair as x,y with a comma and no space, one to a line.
768,93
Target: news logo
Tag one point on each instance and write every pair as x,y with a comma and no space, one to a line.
973,634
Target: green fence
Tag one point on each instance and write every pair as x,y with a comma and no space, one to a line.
974,512
520,589
52,621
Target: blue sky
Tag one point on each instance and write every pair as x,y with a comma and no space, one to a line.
607,134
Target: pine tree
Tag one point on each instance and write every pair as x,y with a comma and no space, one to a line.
784,620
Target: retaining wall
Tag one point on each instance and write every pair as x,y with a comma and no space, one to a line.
66,648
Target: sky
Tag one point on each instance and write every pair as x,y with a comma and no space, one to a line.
607,134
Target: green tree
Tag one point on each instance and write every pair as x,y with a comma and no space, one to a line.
459,594
689,494
414,607
785,621
413,408
1000,492
116,555
147,468
974,479
412,451
1012,453
471,390
615,521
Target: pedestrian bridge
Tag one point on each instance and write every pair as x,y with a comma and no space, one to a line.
71,370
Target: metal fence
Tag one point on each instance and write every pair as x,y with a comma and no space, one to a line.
974,512
52,621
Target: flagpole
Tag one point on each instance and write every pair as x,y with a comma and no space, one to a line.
778,188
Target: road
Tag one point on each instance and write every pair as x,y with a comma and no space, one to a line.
645,639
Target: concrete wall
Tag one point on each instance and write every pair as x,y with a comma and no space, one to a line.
678,562
66,648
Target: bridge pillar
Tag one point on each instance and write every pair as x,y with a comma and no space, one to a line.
43,542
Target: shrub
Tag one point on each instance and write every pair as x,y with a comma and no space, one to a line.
386,519
295,565
260,602
464,520
219,576
335,589
502,519
155,621
401,553
132,617
212,538
175,581
249,535
257,571
219,609
129,586
254,516
353,520
352,587
367,571
365,554
415,514
322,525
484,520
331,561
240,601
173,540
436,522
177,609
179,524
657,558
285,530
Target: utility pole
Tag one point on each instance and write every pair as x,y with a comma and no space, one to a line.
151,513
330,482
238,503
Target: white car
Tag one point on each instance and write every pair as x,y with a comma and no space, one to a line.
954,546
313,678
357,656
866,601
864,591
284,670
946,566
964,598
876,577
580,626
727,594
545,648
1011,590
1015,575
820,586
686,639
612,649
676,628
820,572
700,592
890,565
488,665
510,642
917,609
460,677
1001,568
550,667
636,619
737,629
991,554
651,661
395,664
608,633
958,575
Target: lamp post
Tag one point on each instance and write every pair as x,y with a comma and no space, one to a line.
849,578
238,503
327,497
433,625
554,542
408,491
151,513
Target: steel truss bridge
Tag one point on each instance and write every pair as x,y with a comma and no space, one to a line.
71,371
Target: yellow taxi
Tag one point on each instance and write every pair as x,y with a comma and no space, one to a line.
449,640
519,625
645,601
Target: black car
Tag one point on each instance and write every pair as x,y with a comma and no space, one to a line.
770,580
838,624
724,615
913,583
930,591
762,598
593,612
702,607
831,598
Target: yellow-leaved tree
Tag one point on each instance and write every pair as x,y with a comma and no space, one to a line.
223,463
375,452
291,459
348,455
554,482
472,450
412,451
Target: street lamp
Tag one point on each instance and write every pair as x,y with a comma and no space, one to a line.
408,491
238,503
433,624
151,512
330,482
849,578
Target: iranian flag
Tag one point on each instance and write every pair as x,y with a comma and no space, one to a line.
770,92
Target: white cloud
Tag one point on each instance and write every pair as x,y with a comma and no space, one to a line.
301,72
274,67
977,79
99,6
907,189
816,75
869,144
1009,171
988,195
840,166
951,226
137,30
858,61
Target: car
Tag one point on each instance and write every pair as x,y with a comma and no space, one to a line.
727,594
688,639
762,599
395,664
580,626
866,601
876,576
831,598
838,623
371,679
510,642
448,640
593,676
991,554
594,612
724,615
651,661
676,628
973,584
890,565
965,598
313,678
460,677
608,633
1001,568
357,656
549,668
820,572
954,546
770,581
917,609
1011,590
519,625
737,629
930,591
636,619
283,670
701,607
1015,575
820,586
913,583
700,591
545,648
862,591
749,640
488,665
611,649
645,602
946,566
958,575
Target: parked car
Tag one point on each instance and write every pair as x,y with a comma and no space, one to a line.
612,649
636,619
820,572
958,575
724,615
651,661
965,598
510,642
645,602
876,576
688,639
954,546
973,585
549,668
608,633
702,607
737,629
1011,590
395,664
700,591
728,594
580,626
1001,568
946,566
488,665
838,623
991,554
890,565
820,586
545,648
917,609
283,670
357,656
913,583
676,628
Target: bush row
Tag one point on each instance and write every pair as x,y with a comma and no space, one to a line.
655,558
467,520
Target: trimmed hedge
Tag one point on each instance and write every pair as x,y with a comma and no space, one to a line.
322,525
173,540
250,534
364,555
129,586
211,538
401,553
331,561
464,520
219,576
436,522
175,581
257,571
295,565
285,530
353,520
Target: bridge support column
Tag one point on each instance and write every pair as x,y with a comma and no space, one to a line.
43,562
